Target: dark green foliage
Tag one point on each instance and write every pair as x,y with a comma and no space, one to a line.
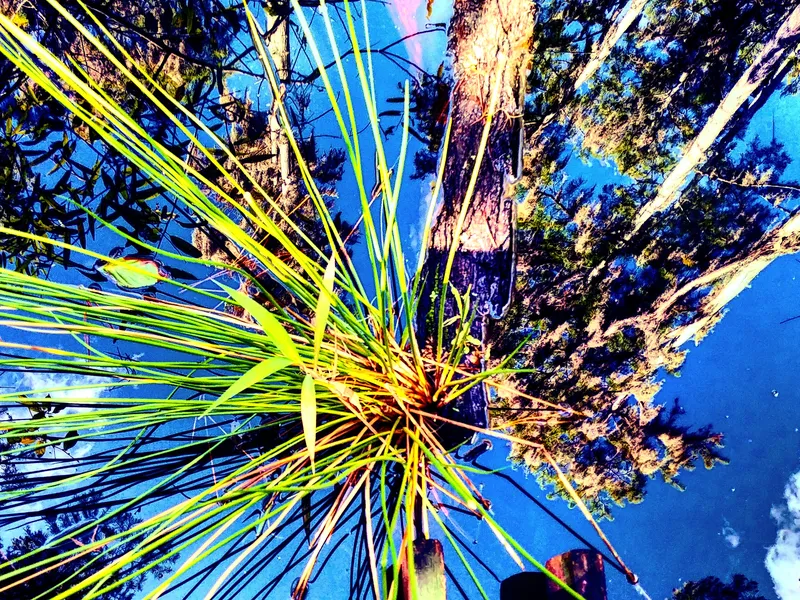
598,332
53,163
661,84
712,588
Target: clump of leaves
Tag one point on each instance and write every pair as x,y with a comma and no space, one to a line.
231,429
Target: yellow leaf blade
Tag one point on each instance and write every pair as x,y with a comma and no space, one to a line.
345,393
308,414
323,307
269,323
251,377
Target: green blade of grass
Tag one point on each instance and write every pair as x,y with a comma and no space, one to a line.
308,414
323,307
269,323
258,373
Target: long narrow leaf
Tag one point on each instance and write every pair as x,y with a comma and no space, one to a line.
269,323
323,307
258,373
308,414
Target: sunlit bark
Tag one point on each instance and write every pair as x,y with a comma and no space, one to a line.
769,60
490,44
490,41
279,50
601,51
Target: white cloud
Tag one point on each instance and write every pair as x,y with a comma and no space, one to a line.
732,537
34,385
56,381
66,386
783,557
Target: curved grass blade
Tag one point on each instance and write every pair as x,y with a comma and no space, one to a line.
258,373
269,324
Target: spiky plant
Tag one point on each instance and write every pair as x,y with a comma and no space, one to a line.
232,429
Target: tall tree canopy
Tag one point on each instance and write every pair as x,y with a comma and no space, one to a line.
192,50
605,299
48,540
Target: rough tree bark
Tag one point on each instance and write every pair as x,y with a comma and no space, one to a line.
278,46
490,42
766,64
601,51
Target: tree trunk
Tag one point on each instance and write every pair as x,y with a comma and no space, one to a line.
768,61
600,52
581,570
731,279
490,42
489,39
743,121
278,46
728,279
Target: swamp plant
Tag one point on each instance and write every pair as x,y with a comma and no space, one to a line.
236,416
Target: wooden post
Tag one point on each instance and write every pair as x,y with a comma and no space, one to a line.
524,586
582,570
428,572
